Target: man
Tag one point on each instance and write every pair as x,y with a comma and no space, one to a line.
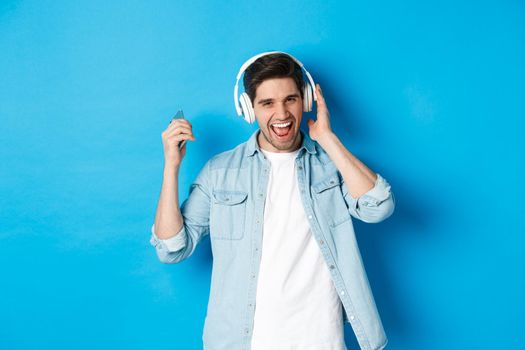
287,271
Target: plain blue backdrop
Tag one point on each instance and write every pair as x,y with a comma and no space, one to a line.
428,94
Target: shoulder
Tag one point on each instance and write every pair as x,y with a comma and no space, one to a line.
230,159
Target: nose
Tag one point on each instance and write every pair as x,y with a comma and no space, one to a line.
281,110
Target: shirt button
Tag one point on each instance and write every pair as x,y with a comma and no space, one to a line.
342,292
253,276
321,242
260,194
246,330
256,249
352,317
332,267
300,167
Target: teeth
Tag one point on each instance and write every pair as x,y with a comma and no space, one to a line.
282,125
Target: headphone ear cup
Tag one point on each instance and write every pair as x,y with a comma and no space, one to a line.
307,100
247,108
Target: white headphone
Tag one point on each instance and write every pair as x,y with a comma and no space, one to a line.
246,106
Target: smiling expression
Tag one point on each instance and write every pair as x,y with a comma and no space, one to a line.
279,109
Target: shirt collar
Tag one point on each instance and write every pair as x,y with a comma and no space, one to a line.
252,145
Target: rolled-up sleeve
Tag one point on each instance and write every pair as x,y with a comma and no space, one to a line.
195,212
172,244
373,206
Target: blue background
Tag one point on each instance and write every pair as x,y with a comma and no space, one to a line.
428,94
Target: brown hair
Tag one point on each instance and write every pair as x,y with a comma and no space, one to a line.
276,65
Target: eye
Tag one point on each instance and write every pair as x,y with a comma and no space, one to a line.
292,99
267,103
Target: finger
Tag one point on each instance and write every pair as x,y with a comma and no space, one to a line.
310,122
179,130
176,122
167,135
319,91
321,103
178,126
178,139
320,97
181,137
174,128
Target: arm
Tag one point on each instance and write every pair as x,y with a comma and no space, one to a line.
168,218
168,232
358,177
195,212
367,194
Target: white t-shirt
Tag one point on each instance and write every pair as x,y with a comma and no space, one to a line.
297,305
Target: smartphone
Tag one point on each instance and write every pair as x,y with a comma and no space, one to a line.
180,115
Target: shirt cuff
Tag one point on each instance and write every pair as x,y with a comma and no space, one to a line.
377,194
171,244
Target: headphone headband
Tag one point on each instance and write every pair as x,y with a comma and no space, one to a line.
253,59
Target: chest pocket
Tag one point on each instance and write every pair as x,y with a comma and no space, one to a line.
228,214
331,201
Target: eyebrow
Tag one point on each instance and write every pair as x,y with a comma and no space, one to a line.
271,99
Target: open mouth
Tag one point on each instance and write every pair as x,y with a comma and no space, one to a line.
282,130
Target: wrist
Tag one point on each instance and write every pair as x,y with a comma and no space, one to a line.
326,138
171,166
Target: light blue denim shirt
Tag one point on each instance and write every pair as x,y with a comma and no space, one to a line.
227,200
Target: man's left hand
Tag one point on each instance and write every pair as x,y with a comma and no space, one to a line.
321,126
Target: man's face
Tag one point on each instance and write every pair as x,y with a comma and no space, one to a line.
278,108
